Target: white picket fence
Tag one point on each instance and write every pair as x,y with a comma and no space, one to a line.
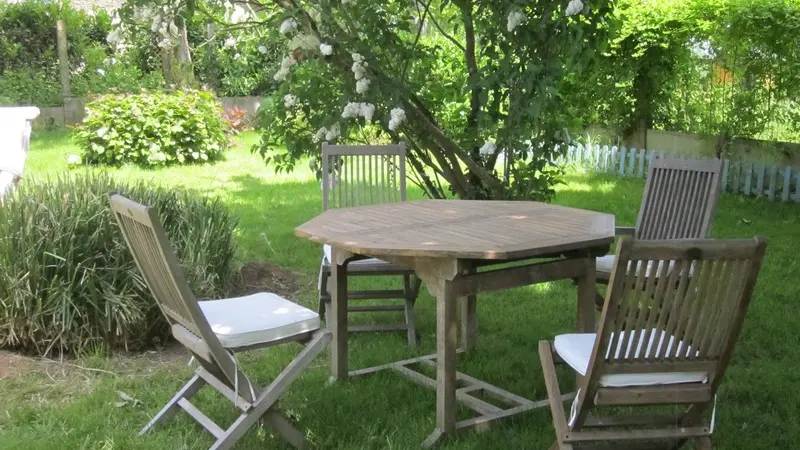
738,177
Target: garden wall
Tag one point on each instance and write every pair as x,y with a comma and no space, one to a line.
73,110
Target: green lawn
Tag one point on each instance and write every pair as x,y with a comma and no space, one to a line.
757,407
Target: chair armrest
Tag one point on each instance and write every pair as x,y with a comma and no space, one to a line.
624,231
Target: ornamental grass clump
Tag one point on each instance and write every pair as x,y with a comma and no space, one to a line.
68,280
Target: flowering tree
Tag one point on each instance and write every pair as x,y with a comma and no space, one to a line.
471,86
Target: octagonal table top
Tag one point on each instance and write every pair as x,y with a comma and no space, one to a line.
467,229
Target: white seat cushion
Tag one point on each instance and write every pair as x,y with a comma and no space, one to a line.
576,350
605,264
257,319
326,249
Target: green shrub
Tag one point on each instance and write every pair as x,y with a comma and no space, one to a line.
68,280
153,129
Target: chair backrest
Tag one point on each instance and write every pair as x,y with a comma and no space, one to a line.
157,262
687,319
362,174
680,197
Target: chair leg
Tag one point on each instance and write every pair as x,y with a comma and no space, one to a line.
285,429
323,290
187,391
269,396
410,300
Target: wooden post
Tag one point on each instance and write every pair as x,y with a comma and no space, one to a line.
63,57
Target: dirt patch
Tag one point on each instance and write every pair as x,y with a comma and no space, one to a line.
12,365
264,276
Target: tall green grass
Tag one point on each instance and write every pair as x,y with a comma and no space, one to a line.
68,280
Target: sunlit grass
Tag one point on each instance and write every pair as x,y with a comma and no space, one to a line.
387,411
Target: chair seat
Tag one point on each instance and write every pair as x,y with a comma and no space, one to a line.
257,319
326,249
576,350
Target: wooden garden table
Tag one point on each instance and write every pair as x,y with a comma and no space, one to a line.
446,242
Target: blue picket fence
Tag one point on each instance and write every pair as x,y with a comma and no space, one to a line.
738,177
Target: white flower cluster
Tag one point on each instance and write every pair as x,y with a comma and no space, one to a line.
359,66
288,26
362,85
326,49
365,110
283,72
262,49
398,116
574,7
289,101
327,134
238,14
348,2
488,148
230,42
515,19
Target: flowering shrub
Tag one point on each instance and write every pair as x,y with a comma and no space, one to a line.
236,119
153,129
464,84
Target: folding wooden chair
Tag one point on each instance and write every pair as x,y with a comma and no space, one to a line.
674,354
214,330
365,175
679,201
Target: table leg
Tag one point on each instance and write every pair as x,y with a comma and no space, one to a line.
469,319
338,322
586,296
446,342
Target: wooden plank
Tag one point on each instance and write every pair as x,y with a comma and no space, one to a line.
338,320
642,156
632,162
787,184
655,434
201,418
471,402
596,157
622,158
748,177
773,176
446,343
612,166
378,327
507,278
724,178
760,181
604,154
797,188
579,155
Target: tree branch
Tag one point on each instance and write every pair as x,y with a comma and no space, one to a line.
444,33
472,69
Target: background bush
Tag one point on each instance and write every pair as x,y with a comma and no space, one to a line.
153,129
69,280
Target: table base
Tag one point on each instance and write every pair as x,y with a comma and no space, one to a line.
486,412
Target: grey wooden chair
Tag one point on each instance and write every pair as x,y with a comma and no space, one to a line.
674,357
214,330
364,175
680,198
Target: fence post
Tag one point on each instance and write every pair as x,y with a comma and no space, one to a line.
773,174
622,161
748,174
642,156
613,163
724,179
787,184
632,162
760,181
